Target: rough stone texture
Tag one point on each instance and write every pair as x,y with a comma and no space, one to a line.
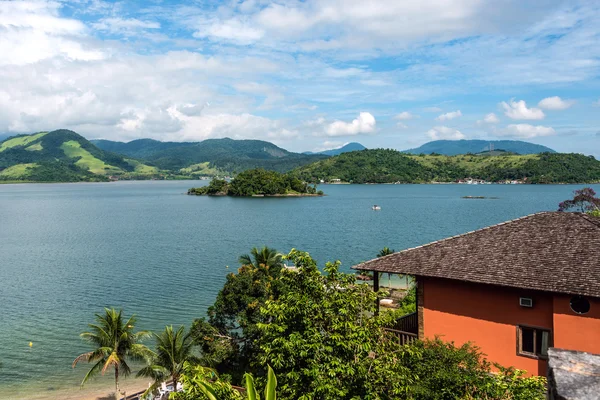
550,251
573,375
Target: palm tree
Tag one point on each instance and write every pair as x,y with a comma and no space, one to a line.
173,350
115,343
386,251
265,257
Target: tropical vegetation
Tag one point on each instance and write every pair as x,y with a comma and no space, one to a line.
257,182
318,330
391,166
115,345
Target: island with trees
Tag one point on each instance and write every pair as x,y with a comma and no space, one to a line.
258,183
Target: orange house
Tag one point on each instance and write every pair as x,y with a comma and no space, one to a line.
513,289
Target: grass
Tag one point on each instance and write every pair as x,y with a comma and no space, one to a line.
17,171
35,147
203,169
87,161
20,141
142,169
473,162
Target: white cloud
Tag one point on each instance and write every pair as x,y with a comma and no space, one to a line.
445,133
450,115
555,103
405,116
236,30
401,125
491,118
596,103
526,131
518,110
432,109
365,123
329,145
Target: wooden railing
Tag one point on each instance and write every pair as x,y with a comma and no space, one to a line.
408,323
403,337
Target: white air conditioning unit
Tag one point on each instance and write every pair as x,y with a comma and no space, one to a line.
525,301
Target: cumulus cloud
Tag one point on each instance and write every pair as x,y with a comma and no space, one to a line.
405,116
445,133
237,30
491,118
365,123
526,131
518,110
555,103
450,115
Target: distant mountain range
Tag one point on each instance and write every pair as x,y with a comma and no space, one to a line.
455,147
353,146
225,155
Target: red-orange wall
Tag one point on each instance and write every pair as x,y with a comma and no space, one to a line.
488,316
573,331
485,315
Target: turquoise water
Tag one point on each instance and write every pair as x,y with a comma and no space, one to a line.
67,250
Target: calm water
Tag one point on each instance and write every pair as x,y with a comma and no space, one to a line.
67,250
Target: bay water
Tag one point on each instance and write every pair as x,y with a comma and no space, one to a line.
68,250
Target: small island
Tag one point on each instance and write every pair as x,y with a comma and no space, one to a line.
258,183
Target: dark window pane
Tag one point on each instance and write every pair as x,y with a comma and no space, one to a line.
527,340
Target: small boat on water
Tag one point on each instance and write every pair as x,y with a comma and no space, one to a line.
376,208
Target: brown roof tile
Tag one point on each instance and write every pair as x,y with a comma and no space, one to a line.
549,251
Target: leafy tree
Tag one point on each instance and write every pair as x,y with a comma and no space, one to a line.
584,200
324,341
115,344
174,348
227,339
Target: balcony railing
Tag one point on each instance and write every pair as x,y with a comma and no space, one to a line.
408,323
403,337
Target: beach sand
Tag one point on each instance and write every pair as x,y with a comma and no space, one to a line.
93,391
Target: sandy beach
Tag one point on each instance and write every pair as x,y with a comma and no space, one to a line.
94,391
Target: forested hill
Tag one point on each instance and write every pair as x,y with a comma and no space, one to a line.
62,156
389,166
226,155
456,147
140,148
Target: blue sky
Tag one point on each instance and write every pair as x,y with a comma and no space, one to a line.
306,75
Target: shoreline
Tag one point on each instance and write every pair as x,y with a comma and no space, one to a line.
104,390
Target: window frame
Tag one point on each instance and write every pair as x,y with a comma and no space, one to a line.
535,356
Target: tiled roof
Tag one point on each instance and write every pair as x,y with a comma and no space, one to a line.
549,251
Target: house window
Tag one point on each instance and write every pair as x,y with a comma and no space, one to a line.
533,342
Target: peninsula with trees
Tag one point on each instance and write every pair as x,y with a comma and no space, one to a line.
258,183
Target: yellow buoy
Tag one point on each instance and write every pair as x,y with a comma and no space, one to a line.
30,344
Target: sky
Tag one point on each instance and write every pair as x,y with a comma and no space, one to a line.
306,75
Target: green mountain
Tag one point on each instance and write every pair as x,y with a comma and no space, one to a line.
388,166
212,156
456,147
140,148
353,146
63,156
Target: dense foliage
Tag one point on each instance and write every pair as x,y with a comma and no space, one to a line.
257,182
319,333
228,338
390,166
